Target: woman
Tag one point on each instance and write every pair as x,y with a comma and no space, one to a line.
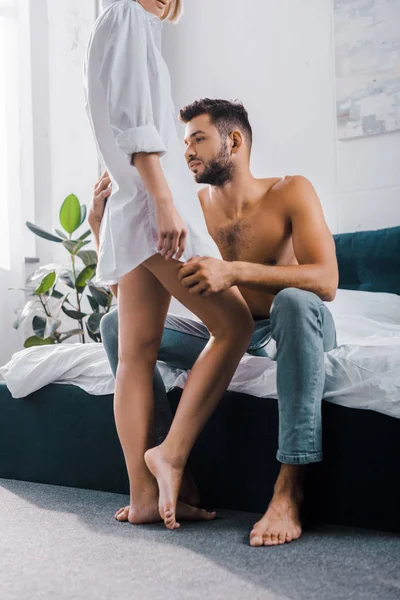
152,219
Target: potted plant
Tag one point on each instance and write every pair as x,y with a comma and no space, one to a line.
55,289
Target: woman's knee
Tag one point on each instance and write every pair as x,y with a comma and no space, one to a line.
236,326
140,348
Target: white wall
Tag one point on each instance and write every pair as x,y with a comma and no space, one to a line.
278,58
74,166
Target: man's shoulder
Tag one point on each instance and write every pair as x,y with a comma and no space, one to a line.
291,188
287,183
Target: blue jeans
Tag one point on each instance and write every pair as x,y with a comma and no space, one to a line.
300,329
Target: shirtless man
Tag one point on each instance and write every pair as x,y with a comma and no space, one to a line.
276,247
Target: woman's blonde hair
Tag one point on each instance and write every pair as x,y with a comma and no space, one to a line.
174,12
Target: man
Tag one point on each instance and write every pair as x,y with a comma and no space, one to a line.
276,247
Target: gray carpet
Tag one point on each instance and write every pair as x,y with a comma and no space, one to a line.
61,543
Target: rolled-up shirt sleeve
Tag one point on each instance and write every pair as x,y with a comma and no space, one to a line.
125,77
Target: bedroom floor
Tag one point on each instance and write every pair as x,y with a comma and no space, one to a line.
58,543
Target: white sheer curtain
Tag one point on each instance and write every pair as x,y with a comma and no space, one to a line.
8,121
11,246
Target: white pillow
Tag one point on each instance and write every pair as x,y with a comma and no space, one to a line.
381,307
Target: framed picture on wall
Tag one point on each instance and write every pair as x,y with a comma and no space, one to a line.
367,47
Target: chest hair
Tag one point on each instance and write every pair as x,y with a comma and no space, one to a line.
233,240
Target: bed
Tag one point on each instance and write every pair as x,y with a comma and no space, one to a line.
62,435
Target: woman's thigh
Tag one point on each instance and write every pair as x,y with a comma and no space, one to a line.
217,312
142,308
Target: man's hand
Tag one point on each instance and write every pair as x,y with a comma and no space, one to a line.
102,190
206,276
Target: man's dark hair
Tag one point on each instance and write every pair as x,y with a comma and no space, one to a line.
225,115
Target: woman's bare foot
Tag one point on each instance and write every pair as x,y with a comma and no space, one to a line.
139,515
281,523
169,479
151,514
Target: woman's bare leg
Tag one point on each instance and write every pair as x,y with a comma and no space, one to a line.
143,303
230,323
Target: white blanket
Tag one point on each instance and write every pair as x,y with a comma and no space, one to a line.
363,372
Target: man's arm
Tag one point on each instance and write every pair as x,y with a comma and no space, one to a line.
313,245
102,191
314,249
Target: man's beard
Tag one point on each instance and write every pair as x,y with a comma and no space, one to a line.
218,171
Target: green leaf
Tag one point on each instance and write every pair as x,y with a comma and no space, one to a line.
32,306
43,270
73,246
83,277
74,314
42,233
67,278
92,336
71,333
37,341
83,213
60,233
39,325
88,257
93,322
83,243
85,235
93,303
56,294
70,214
45,326
46,283
99,294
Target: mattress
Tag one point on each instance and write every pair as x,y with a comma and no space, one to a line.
362,372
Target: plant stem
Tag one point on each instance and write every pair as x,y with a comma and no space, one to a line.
78,300
44,304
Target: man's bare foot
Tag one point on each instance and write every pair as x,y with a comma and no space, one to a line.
281,523
169,479
150,514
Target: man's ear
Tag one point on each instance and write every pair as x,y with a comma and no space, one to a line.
237,140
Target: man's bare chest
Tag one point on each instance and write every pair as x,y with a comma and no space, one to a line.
265,240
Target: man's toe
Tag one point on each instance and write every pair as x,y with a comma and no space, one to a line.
274,538
267,539
256,538
281,538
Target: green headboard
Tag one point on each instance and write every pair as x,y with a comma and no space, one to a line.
369,260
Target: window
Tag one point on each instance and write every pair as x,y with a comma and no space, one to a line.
9,137
8,48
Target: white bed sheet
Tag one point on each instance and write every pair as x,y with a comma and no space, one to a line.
363,372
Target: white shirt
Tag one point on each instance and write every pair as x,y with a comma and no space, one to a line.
129,104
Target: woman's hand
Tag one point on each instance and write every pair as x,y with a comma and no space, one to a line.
102,191
171,230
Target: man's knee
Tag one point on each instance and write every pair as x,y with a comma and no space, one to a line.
292,303
109,327
109,336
